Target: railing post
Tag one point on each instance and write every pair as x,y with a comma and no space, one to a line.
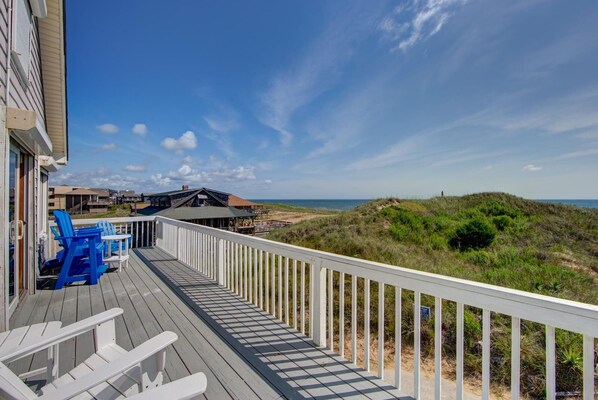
319,301
220,261
176,244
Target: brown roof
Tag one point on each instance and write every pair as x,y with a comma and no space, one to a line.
236,201
62,189
83,192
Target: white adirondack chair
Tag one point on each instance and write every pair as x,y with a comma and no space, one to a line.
110,373
11,339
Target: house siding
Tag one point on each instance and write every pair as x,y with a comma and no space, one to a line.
3,48
28,96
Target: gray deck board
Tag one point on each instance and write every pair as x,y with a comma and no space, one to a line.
244,352
279,352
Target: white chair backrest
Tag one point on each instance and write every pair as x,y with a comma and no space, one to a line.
12,387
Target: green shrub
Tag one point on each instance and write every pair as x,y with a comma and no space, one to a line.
475,234
502,222
495,208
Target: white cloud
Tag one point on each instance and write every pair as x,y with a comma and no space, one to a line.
316,70
107,128
186,141
190,175
109,146
531,168
221,125
268,181
416,20
139,129
135,168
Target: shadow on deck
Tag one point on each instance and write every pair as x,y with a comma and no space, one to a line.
245,352
289,360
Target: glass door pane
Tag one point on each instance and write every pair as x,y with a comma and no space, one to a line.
13,219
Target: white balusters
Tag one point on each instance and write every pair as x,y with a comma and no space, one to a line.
588,367
438,348
286,290
341,316
515,357
366,325
294,294
416,344
485,354
354,319
381,330
550,363
398,349
459,346
302,297
330,310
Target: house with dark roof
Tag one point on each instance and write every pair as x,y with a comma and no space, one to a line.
201,206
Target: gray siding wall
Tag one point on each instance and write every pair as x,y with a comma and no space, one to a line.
3,47
25,96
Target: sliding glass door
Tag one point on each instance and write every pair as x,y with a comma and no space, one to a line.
17,209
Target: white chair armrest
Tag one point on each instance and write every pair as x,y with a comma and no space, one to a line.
181,389
63,334
116,367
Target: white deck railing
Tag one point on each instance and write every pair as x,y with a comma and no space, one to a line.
142,230
299,285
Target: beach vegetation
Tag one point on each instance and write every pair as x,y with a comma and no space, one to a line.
494,238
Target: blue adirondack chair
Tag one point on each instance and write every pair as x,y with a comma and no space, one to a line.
82,256
108,229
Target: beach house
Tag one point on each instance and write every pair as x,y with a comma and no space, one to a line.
262,319
202,206
33,135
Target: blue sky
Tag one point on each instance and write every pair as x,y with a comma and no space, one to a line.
295,99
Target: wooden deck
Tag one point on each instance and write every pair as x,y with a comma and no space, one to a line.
245,353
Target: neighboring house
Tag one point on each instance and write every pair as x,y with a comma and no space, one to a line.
101,203
200,206
57,197
243,204
33,136
127,197
78,200
81,201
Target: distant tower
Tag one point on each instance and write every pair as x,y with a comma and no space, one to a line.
442,193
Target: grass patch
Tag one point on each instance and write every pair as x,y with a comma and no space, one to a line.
549,249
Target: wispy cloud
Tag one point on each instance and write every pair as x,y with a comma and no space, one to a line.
223,125
531,168
315,72
109,129
415,21
139,130
109,146
187,141
579,153
135,168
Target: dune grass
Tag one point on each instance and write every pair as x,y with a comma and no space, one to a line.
549,249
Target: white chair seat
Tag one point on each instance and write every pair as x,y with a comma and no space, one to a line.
118,387
11,339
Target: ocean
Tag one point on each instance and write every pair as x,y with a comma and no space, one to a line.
348,204
579,203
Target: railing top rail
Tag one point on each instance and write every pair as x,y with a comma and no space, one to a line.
565,314
86,221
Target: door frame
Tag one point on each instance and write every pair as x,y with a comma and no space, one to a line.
12,305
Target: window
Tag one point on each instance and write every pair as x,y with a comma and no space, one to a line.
21,51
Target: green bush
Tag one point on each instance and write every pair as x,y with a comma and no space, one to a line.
475,234
502,222
495,208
